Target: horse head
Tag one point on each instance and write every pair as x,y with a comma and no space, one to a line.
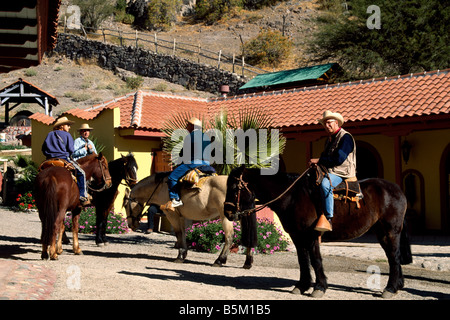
133,209
239,196
99,176
130,168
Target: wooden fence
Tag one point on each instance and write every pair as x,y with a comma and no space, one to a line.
172,47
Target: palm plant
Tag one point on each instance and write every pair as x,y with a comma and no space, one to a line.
246,137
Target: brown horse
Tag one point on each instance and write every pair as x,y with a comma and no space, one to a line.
56,192
382,209
124,168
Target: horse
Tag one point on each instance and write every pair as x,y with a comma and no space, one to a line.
294,198
56,192
197,205
123,168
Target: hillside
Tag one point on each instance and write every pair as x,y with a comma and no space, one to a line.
84,84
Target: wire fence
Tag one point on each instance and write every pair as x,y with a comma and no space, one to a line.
172,47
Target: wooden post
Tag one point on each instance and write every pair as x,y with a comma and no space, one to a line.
234,59
243,65
198,53
136,45
174,46
220,55
103,33
156,43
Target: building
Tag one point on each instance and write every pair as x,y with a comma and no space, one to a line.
401,126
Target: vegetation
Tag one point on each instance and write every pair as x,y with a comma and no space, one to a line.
269,48
413,36
116,224
94,12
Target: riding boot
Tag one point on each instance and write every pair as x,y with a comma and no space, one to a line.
323,224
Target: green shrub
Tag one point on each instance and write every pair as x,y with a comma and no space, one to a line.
208,236
162,13
134,83
30,72
212,11
26,201
269,48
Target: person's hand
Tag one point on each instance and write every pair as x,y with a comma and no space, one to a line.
313,162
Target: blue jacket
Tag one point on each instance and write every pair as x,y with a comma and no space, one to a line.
58,144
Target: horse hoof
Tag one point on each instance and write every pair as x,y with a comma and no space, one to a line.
100,244
247,266
317,293
388,294
79,253
296,291
217,265
178,260
55,257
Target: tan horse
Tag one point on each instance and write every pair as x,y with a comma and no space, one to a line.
204,204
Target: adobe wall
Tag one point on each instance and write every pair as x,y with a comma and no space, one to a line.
187,73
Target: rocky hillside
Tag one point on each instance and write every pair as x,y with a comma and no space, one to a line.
83,84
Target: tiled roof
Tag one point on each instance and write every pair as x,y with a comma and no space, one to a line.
397,97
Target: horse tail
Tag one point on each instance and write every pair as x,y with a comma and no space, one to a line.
48,210
405,246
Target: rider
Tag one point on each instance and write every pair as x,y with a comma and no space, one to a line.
339,157
82,146
59,144
195,143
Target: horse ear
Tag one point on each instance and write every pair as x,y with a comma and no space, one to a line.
122,155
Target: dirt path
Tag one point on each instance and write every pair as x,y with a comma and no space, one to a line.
138,266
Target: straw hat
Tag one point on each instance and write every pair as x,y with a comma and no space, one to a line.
332,115
85,126
195,121
61,121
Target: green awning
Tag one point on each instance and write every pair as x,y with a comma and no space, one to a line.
288,76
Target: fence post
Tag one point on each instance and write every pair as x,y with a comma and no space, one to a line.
174,46
103,33
220,55
243,65
156,43
198,53
136,39
234,59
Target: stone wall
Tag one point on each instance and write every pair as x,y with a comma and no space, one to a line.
187,73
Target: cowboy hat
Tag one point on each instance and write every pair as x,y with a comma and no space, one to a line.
195,121
85,126
332,115
61,121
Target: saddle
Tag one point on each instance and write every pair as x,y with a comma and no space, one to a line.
195,178
348,189
57,162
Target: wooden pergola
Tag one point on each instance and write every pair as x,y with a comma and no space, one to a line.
22,91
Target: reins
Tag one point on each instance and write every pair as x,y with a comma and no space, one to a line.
254,210
105,185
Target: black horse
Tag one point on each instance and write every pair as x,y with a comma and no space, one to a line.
123,168
382,209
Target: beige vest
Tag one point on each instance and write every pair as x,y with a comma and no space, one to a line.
348,168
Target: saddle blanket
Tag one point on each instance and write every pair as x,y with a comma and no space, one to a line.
348,189
195,178
56,162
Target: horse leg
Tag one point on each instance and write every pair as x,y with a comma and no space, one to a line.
390,242
305,281
52,249
248,258
100,236
75,226
178,223
316,262
59,248
227,226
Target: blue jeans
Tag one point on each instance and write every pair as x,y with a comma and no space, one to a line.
327,193
81,178
177,174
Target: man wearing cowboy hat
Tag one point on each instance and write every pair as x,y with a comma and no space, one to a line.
59,144
82,145
194,145
339,157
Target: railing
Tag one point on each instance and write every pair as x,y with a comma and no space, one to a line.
172,47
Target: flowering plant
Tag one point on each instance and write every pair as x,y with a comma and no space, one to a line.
116,224
25,202
208,236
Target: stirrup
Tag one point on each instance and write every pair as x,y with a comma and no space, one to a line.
323,224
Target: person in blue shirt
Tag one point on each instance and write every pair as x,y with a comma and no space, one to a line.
195,143
59,144
82,145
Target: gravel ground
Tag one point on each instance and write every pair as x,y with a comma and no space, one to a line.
138,266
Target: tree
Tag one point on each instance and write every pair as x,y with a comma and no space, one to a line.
413,36
94,12
139,9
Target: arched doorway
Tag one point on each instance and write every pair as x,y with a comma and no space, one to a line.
444,173
368,161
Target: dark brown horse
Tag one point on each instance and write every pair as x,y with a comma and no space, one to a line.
382,209
56,192
124,168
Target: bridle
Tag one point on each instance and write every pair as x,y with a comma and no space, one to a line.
243,185
107,180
